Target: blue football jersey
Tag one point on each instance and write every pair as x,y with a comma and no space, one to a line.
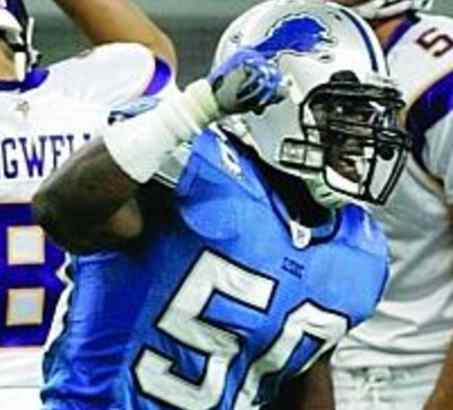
215,306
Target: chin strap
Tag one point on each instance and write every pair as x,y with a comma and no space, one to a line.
324,195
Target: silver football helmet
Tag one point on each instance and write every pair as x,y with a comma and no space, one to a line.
378,9
339,128
16,29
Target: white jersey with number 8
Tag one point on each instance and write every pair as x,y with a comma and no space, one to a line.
42,122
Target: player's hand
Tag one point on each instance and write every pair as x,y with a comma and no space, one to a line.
247,82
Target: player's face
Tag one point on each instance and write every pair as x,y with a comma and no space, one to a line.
344,129
346,159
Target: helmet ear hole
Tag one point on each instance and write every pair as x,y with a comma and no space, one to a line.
385,152
344,76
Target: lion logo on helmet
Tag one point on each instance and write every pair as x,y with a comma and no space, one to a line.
298,34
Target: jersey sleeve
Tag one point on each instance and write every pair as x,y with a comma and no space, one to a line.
430,121
109,74
422,61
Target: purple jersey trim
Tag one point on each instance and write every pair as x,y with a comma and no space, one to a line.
399,32
433,105
161,77
33,79
26,276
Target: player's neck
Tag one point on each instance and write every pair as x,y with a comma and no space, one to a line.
386,27
307,212
299,203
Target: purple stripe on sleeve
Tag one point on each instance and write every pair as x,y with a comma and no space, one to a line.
33,79
433,105
161,77
400,31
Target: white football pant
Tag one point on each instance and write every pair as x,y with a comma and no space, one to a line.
384,388
13,398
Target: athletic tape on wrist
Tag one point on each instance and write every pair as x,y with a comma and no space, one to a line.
139,145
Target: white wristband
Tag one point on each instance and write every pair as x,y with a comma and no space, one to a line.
141,144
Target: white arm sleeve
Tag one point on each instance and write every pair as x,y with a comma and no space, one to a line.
140,145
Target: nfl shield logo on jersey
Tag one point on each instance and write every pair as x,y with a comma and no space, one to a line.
301,235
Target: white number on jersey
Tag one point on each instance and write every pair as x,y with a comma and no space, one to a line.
181,320
29,284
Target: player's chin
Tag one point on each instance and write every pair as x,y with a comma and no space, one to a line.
347,171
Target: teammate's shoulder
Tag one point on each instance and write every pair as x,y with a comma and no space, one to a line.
433,20
423,26
359,229
119,53
121,50
427,39
421,54
108,74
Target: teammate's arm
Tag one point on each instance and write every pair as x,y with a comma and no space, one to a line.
89,203
439,163
442,396
108,21
312,391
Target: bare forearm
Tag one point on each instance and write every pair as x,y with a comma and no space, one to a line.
91,198
442,396
76,204
106,21
313,391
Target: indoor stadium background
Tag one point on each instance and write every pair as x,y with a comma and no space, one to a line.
194,25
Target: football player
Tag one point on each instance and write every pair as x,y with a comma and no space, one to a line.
47,113
403,357
215,264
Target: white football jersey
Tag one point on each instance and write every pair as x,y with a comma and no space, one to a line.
56,111
414,322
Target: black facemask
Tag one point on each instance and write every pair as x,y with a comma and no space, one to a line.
353,130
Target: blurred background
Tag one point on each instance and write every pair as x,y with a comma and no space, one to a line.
194,25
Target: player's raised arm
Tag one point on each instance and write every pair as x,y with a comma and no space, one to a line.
107,21
88,203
